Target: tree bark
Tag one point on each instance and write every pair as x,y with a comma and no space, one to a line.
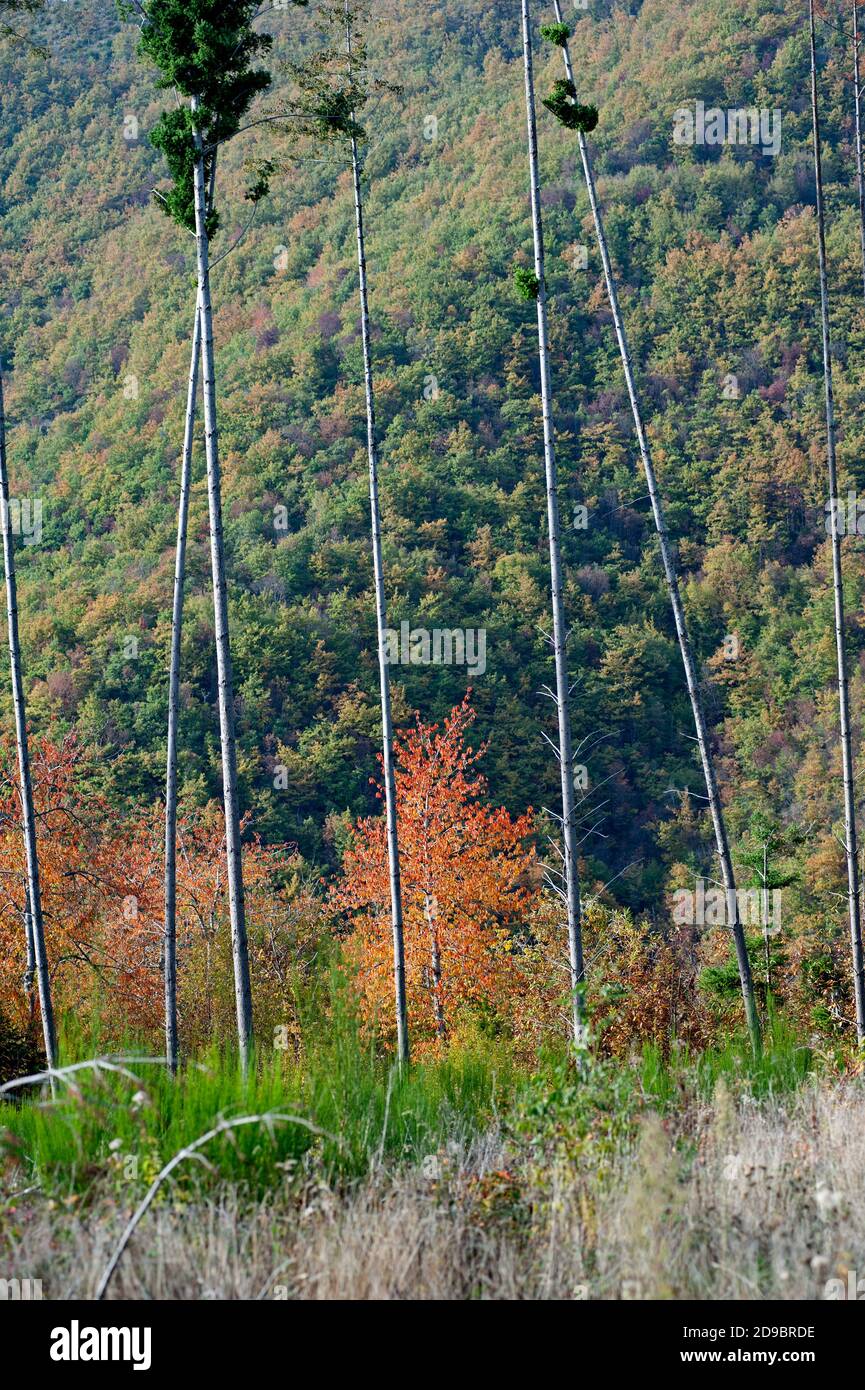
381,620
170,937
837,576
560,634
233,853
430,910
30,967
764,903
28,817
721,841
857,108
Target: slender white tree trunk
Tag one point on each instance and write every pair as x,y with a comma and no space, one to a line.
857,108
381,619
837,577
30,967
28,817
430,912
560,633
721,841
240,954
381,627
170,937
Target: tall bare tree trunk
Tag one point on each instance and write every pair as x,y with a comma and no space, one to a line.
28,817
721,842
170,934
430,912
837,577
381,620
560,633
233,853
857,108
30,967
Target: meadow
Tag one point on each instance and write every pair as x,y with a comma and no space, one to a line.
697,1177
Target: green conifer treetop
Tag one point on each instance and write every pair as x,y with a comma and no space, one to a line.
204,49
556,33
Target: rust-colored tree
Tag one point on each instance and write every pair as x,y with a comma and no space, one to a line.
469,877
99,891
284,931
103,903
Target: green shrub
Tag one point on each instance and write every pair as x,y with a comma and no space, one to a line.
21,1050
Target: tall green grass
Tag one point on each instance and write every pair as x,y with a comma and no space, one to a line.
124,1130
784,1064
120,1130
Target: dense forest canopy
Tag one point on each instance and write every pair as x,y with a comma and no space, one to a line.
714,245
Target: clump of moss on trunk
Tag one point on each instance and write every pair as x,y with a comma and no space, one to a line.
527,284
556,33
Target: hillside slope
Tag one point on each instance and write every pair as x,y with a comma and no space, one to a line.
716,250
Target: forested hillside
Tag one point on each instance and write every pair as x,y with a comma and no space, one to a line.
428,765
714,246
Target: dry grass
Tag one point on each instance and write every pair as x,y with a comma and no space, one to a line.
733,1200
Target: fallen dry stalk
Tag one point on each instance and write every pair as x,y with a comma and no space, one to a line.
192,1151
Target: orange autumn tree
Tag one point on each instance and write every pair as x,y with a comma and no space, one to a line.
96,894
101,876
283,923
469,879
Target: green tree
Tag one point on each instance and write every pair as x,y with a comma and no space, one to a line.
765,845
206,50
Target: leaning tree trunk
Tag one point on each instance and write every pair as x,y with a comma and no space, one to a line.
560,635
381,612
170,931
721,842
857,111
381,625
28,817
837,577
240,954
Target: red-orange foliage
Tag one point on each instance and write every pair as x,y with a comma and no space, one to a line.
468,881
102,892
96,896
